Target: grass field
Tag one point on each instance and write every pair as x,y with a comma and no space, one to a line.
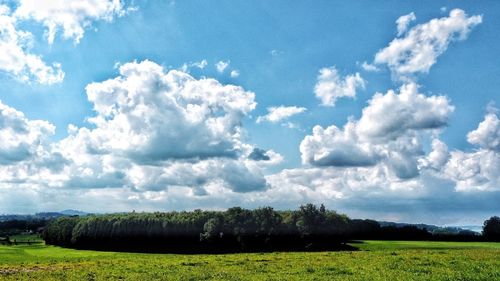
377,260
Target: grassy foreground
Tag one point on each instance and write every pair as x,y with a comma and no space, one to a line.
377,260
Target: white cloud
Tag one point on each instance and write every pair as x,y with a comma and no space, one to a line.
200,64
418,50
446,182
369,67
329,183
221,66
391,115
478,170
388,134
371,192
475,171
384,148
276,53
331,86
77,173
404,21
280,113
20,138
335,147
235,73
165,140
16,59
155,130
487,134
150,108
70,16
264,157
491,108
438,157
198,175
291,125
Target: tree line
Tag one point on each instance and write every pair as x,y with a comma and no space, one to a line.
264,229
12,227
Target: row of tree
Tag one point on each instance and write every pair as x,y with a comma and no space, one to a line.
237,229
12,227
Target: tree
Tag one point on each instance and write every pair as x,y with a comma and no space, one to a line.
491,228
267,220
212,229
59,231
310,220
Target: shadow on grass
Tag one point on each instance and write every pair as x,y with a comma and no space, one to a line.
229,247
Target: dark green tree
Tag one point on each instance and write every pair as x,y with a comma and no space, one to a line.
310,220
491,228
212,229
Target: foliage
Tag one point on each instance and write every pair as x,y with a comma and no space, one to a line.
231,230
14,226
60,231
236,229
491,228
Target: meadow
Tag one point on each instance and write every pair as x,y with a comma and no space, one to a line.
375,260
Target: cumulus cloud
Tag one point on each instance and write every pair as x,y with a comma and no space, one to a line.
487,134
16,58
335,147
221,66
199,176
390,115
76,171
331,86
200,64
438,157
168,115
388,136
478,170
235,73
376,152
279,113
155,129
369,67
331,183
372,192
474,171
418,50
72,17
258,154
404,21
396,174
20,138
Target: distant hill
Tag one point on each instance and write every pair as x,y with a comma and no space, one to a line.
433,229
476,228
73,213
42,215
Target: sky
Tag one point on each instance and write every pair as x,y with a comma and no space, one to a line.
383,110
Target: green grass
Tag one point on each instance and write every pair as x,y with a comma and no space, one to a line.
377,260
34,238
31,239
406,245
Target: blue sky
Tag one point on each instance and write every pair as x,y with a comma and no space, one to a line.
429,147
